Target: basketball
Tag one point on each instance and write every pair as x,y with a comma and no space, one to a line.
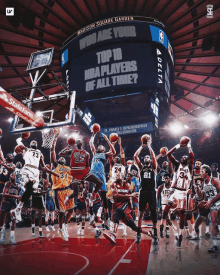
201,205
0,131
163,151
25,135
71,141
113,137
38,122
130,162
18,149
95,128
145,139
184,141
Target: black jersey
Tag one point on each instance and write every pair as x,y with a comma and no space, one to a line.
12,190
147,179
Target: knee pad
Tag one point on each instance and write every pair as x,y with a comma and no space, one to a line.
116,217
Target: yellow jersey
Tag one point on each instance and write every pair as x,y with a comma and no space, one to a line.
65,177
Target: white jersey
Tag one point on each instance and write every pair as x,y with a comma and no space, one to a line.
165,194
211,192
117,168
32,157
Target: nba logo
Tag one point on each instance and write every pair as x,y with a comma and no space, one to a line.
9,12
161,36
209,11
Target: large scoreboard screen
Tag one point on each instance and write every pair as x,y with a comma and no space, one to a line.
118,53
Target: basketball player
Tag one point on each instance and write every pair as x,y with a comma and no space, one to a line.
7,167
165,190
81,208
30,172
50,207
200,196
38,204
122,208
79,163
186,166
98,168
147,193
62,190
9,198
212,188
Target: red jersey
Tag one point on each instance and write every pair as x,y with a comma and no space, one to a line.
78,161
122,190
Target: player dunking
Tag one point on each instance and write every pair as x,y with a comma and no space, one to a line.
147,191
30,172
98,168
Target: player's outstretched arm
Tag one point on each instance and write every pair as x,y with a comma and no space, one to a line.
121,152
136,158
91,143
112,148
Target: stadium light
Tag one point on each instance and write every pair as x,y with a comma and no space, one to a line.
209,118
176,127
10,119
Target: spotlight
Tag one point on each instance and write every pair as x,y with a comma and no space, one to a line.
176,128
209,118
38,113
10,119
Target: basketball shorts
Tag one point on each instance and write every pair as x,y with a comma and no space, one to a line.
96,207
60,195
30,174
101,176
147,197
37,202
8,206
179,198
50,206
80,205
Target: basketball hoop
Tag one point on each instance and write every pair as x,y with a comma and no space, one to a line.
48,136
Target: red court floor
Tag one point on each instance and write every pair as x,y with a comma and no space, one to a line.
87,255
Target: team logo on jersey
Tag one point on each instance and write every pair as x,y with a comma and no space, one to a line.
161,36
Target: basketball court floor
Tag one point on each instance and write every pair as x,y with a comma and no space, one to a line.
87,255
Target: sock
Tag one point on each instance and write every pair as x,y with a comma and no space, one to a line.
215,241
12,233
207,228
155,231
33,225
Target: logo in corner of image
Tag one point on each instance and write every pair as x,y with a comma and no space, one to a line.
161,36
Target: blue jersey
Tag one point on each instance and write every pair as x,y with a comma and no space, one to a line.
4,173
136,183
49,195
98,163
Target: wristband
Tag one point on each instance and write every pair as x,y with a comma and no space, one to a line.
177,146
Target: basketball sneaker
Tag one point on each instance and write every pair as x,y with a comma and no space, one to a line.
213,249
98,233
52,228
33,231
40,234
82,233
12,240
110,237
17,212
47,229
167,232
138,238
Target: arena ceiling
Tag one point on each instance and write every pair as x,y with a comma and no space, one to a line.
48,23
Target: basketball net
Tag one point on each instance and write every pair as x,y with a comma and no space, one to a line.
48,138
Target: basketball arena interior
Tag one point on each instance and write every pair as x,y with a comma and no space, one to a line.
109,137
